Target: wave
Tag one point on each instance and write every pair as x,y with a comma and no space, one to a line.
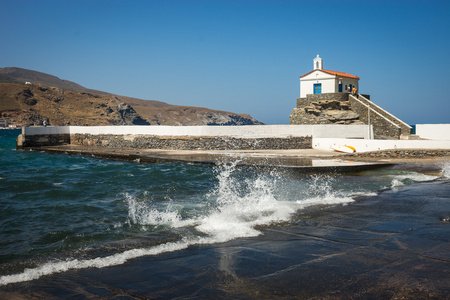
321,192
236,206
239,203
405,178
445,170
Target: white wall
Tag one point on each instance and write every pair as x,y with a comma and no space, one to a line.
347,82
250,131
433,131
307,83
307,87
373,145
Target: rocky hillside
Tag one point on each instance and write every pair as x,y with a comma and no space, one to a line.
62,102
34,104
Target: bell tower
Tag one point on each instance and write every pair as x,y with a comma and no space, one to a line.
318,63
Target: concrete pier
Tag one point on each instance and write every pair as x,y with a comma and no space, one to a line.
305,148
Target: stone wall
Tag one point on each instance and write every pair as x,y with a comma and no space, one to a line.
382,128
343,108
42,140
190,143
330,108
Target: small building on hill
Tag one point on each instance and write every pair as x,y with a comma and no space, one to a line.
325,99
320,80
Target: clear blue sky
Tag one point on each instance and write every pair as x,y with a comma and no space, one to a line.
243,56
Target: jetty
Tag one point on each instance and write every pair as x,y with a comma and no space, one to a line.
301,148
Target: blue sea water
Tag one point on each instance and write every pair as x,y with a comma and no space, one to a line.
61,212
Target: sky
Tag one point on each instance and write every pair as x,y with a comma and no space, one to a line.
243,56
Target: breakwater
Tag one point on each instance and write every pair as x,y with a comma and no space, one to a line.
255,137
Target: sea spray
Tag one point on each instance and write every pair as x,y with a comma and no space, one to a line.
142,213
244,199
445,170
321,191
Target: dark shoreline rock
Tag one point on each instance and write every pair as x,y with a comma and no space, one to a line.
403,153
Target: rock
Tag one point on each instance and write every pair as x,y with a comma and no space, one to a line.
312,110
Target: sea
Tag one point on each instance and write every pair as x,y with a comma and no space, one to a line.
60,213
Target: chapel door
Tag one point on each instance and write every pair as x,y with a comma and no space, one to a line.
317,88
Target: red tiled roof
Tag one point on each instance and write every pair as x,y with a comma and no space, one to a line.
335,73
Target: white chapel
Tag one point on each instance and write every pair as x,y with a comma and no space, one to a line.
320,80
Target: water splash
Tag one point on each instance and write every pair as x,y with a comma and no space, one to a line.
243,200
142,213
396,183
445,170
321,191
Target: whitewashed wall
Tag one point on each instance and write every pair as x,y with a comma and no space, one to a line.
250,131
433,131
374,145
307,83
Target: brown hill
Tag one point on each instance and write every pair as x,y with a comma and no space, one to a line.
62,102
34,104
161,113
18,75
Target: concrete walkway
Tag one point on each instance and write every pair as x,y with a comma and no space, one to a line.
304,160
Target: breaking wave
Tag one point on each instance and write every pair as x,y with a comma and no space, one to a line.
239,203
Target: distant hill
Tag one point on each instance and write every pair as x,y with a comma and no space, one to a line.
33,104
63,102
18,75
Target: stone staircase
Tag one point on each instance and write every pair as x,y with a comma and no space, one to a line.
385,124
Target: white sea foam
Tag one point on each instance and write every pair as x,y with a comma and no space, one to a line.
445,173
321,192
243,204
143,213
395,183
399,180
364,194
99,262
417,177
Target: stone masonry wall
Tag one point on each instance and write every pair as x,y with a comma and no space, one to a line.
330,108
381,127
190,143
340,108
